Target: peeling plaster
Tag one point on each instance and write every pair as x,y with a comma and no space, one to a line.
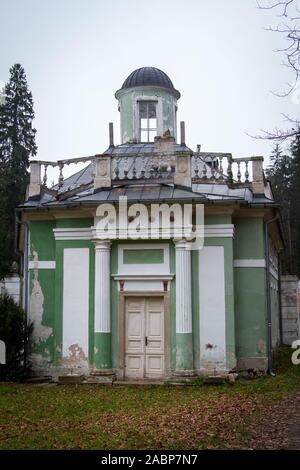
261,346
75,356
36,305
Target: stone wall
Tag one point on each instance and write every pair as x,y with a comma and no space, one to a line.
290,315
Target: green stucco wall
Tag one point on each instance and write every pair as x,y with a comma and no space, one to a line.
250,289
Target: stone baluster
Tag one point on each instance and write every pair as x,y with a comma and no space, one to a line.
45,175
125,167
143,167
239,175
61,176
229,170
134,168
246,172
221,177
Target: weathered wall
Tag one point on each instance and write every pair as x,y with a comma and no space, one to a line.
230,271
250,293
290,316
166,114
45,306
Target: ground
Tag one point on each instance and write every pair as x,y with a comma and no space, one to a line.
261,413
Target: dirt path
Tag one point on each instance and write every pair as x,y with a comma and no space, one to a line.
278,427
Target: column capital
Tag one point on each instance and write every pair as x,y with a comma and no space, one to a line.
103,245
182,244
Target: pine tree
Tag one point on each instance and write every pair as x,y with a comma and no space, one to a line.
295,205
279,173
284,174
17,145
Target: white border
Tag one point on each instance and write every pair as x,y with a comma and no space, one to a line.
87,233
84,233
249,263
156,268
41,265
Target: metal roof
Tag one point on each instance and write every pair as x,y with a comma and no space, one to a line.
146,76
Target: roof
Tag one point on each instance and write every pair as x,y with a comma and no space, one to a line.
149,76
135,149
78,189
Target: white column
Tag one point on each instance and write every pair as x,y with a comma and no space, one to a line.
102,286
183,287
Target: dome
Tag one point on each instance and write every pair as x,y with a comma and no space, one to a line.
149,76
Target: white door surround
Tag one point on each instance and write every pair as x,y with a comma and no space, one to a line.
144,339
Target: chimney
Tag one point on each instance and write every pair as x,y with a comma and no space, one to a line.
182,133
258,185
111,134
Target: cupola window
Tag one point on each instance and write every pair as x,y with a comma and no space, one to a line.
147,120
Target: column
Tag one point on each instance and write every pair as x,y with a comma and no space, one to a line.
184,336
102,324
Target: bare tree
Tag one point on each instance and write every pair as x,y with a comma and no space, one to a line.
288,26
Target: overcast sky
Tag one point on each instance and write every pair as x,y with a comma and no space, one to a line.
77,53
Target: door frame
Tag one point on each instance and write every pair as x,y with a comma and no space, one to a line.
122,328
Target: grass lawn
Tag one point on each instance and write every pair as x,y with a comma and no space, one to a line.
139,417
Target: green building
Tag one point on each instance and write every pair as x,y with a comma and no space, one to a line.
153,260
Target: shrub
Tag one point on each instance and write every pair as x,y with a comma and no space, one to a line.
15,332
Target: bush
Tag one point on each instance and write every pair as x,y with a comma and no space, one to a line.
15,332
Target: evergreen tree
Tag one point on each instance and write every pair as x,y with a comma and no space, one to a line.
284,174
295,205
17,145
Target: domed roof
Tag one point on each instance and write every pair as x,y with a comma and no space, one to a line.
149,76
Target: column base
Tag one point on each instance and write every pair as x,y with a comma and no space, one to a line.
184,373
102,352
102,373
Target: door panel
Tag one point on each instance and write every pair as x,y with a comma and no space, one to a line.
154,366
135,339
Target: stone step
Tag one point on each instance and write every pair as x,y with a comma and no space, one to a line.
139,382
37,380
99,379
70,379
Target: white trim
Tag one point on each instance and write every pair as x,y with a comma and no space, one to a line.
72,233
145,277
249,263
156,268
41,265
183,287
87,233
159,113
220,230
143,286
212,308
102,322
75,318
